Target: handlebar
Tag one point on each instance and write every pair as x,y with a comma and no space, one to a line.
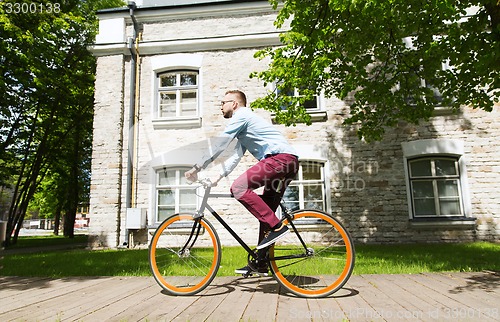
205,182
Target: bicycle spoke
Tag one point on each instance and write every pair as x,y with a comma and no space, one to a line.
326,263
180,270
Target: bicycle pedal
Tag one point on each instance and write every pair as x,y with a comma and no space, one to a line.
255,274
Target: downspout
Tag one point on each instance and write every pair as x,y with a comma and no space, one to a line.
133,46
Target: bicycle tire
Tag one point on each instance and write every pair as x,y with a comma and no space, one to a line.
184,272
329,265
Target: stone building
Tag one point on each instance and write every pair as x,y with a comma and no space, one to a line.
157,107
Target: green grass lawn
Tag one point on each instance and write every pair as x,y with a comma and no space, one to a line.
370,259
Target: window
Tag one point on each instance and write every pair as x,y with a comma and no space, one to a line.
313,106
309,105
436,181
435,187
173,194
177,94
307,190
437,97
176,91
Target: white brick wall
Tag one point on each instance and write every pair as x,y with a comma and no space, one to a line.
368,191
105,190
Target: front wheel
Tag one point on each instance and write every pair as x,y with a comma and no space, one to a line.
321,263
184,254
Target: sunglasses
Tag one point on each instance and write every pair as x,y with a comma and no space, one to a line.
224,102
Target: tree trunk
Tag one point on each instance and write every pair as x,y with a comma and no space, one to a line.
57,220
69,223
74,191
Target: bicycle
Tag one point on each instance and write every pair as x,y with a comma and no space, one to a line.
314,260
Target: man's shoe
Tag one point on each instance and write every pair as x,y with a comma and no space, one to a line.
273,236
249,270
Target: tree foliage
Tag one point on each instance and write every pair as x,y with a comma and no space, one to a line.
46,104
388,54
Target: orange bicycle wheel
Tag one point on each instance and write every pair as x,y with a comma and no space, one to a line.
321,268
184,254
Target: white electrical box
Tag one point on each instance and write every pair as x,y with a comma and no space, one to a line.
136,218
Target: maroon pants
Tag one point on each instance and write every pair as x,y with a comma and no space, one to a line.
274,173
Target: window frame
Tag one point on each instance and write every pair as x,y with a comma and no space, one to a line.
317,113
301,183
297,94
178,88
434,178
439,148
176,63
439,108
176,187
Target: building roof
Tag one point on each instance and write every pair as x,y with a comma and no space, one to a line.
166,4
162,3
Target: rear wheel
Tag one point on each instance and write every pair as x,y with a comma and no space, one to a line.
184,254
321,268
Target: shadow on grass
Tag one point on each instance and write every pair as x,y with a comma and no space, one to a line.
40,242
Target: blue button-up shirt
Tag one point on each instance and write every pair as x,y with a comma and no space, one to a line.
254,134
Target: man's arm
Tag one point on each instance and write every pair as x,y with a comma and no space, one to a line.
231,131
227,167
192,174
231,162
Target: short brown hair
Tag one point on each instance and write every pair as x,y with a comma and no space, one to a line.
242,98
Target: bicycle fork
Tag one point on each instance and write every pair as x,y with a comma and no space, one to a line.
195,232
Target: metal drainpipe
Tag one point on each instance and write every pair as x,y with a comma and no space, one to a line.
133,44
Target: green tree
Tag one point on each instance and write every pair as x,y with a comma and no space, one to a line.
46,103
389,54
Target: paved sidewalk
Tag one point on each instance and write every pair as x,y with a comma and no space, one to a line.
417,297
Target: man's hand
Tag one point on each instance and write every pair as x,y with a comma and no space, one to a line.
192,175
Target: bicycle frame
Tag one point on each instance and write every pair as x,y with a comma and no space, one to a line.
205,206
